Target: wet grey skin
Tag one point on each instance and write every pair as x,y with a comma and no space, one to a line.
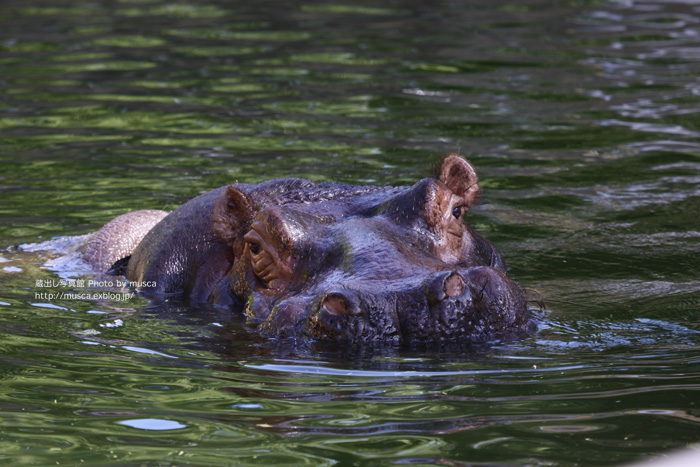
331,261
118,238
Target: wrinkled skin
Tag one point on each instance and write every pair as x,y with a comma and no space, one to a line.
332,261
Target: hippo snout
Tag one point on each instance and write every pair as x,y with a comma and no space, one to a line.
453,305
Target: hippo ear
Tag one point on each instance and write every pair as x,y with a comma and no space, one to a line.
460,177
232,215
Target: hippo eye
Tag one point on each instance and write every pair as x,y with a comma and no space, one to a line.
457,212
263,259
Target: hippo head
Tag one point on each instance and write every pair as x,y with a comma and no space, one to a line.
330,261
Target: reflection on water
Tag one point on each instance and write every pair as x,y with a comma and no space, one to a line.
581,116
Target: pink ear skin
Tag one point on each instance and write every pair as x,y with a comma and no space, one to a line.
460,177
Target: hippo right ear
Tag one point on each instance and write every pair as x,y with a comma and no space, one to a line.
232,215
460,177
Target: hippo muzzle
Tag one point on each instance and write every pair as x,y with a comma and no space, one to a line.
471,305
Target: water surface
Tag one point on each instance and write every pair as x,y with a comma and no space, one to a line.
581,116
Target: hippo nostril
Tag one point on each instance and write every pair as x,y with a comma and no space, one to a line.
445,285
454,285
336,305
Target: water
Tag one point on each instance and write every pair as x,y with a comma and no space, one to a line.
582,117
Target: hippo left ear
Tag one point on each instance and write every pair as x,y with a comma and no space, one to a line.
232,215
460,177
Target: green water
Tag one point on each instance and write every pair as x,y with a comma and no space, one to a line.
582,117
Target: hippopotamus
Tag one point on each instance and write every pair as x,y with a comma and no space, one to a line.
327,261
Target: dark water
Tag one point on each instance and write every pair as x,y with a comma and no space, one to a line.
582,116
